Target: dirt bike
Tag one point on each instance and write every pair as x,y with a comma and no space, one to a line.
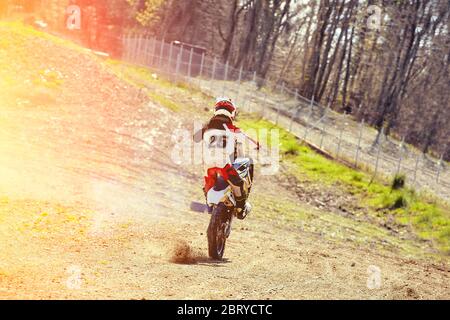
221,204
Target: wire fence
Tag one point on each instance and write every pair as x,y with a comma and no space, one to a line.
336,134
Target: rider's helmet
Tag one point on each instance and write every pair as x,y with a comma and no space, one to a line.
224,106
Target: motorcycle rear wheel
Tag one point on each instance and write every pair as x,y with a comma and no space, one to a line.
216,232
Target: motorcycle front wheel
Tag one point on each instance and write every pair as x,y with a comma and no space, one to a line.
217,232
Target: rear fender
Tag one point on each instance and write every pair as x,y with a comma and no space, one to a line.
214,197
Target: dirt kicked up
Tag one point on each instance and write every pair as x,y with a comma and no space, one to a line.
92,207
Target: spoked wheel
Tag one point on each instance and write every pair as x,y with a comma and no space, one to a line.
217,230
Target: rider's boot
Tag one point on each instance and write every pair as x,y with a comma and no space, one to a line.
243,208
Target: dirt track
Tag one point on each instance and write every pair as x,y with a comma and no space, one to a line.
92,206
124,223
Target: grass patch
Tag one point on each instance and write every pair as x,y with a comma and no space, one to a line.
162,100
142,77
25,82
20,30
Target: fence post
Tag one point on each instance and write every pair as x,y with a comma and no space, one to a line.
169,64
358,148
305,135
292,119
339,143
322,134
139,49
225,79
213,71
146,51
135,43
264,104
126,44
180,67
278,113
142,51
416,167
161,52
400,158
201,65
296,94
152,62
282,87
239,84
130,47
377,160
133,54
312,100
213,74
439,168
177,70
190,63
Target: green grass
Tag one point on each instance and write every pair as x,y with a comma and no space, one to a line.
23,31
143,76
35,86
162,100
154,83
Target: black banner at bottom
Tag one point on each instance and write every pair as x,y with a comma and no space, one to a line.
230,309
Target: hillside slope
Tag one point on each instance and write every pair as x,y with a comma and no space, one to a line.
92,206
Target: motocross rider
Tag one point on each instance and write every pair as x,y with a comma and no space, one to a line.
224,114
